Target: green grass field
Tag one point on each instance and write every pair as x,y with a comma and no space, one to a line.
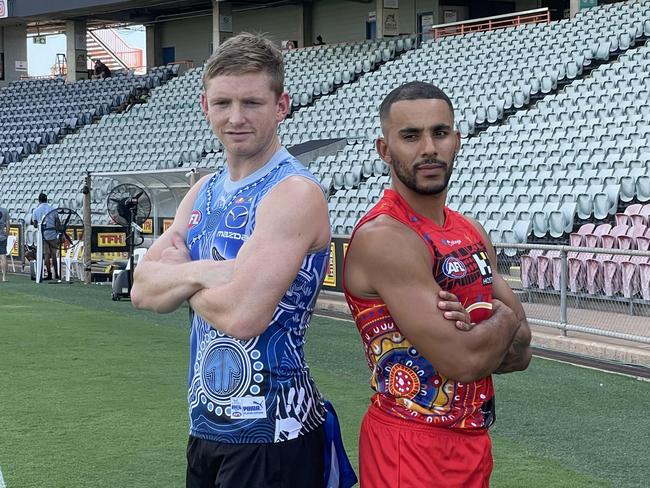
92,394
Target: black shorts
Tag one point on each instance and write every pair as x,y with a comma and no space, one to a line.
3,246
298,463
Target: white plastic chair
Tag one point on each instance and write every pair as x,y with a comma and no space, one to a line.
71,260
11,242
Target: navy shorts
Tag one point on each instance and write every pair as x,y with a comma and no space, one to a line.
297,463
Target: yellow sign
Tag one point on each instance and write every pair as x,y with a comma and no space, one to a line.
345,249
330,277
167,223
147,226
111,239
15,231
109,256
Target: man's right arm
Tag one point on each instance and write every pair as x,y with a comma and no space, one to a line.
162,284
390,260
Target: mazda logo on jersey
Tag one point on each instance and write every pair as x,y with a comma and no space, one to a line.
483,263
237,217
195,219
454,268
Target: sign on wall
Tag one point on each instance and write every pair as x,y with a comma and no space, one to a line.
4,9
108,239
391,22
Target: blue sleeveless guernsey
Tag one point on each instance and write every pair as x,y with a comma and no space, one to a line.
259,390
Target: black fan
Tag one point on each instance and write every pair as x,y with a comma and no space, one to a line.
129,206
57,225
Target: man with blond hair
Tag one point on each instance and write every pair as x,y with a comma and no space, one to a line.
248,249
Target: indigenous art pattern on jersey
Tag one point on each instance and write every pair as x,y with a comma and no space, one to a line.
406,384
257,390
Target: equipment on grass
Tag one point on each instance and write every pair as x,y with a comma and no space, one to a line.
64,222
129,206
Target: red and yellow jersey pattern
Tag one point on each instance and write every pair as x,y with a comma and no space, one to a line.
406,384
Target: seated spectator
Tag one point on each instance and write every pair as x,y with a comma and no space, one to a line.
319,41
101,70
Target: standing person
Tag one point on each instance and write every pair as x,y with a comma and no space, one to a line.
248,248
4,234
428,421
49,234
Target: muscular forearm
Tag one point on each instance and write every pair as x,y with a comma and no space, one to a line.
489,342
519,354
163,287
229,315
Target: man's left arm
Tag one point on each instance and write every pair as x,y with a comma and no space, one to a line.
291,221
519,354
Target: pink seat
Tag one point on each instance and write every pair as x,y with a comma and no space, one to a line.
630,277
643,242
545,269
595,273
610,240
594,239
577,262
625,217
612,279
628,241
577,238
644,277
643,217
528,268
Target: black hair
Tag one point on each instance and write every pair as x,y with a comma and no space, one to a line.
414,90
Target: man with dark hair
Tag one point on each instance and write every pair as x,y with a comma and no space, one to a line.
48,222
101,70
248,249
428,421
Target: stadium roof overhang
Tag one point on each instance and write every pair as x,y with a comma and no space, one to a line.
166,188
46,17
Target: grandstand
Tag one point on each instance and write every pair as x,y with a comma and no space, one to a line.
553,115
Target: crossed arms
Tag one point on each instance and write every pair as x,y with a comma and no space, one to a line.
236,296
389,260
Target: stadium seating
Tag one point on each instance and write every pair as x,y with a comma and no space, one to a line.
318,70
38,112
59,168
545,146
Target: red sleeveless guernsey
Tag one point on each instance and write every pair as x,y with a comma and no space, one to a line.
406,384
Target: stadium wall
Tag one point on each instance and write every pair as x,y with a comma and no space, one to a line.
191,38
281,23
14,47
330,22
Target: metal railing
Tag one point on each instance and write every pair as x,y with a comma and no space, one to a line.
515,19
596,291
109,40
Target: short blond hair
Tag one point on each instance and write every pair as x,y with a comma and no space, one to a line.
247,53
